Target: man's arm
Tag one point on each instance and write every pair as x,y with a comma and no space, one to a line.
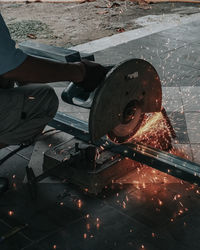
17,66
36,70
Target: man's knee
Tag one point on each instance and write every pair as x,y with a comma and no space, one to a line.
52,100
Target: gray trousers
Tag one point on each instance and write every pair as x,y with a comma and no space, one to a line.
24,112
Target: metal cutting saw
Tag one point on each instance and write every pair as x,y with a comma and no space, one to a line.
129,90
103,148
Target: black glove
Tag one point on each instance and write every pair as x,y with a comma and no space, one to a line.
94,75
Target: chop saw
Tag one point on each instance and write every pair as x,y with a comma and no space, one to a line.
130,89
103,148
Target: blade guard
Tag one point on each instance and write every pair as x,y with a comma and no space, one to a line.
132,80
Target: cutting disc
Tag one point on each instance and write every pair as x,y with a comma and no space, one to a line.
129,90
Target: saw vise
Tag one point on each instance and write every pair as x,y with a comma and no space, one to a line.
104,148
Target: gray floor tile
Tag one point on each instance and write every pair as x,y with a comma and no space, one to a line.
103,232
179,125
187,55
191,100
16,242
15,166
196,152
43,215
186,33
172,100
194,136
193,121
24,153
181,75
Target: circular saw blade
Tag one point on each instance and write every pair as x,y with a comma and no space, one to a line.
132,119
133,83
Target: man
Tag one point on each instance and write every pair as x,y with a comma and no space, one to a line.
26,109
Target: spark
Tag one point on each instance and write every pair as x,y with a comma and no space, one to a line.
124,204
54,247
79,203
84,235
10,213
160,202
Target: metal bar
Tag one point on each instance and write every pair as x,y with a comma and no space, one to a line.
160,160
155,158
71,125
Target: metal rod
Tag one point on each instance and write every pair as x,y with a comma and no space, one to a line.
71,125
155,158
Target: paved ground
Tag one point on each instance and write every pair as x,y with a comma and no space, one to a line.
144,210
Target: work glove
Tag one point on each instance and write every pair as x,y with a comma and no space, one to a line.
94,75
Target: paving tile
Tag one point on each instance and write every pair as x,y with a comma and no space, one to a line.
129,50
193,121
186,230
191,100
186,33
181,75
195,151
24,153
158,44
14,166
168,70
194,135
43,215
16,242
187,55
106,231
172,100
179,125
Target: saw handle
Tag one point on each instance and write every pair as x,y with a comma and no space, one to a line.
77,96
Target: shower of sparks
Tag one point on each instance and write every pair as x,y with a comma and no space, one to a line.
154,132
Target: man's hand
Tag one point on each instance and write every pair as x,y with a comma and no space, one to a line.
94,73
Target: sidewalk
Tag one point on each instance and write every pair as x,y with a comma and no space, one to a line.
144,210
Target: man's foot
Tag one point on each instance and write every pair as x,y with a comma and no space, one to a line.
4,184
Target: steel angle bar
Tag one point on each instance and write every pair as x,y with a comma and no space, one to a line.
160,160
71,125
155,158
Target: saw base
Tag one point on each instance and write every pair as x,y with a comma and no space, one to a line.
107,167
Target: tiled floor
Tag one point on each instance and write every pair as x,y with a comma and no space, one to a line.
145,209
